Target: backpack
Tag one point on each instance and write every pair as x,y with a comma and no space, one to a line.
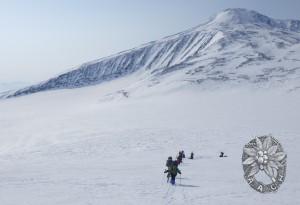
169,162
173,169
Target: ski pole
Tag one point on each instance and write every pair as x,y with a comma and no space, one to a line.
163,178
180,178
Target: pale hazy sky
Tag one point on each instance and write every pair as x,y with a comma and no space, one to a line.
40,38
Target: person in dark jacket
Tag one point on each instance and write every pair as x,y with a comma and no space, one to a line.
222,154
168,165
192,155
169,161
182,153
173,171
179,157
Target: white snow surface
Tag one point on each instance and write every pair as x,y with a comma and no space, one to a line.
209,89
96,146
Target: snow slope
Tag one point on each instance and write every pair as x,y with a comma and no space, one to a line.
72,147
107,143
237,46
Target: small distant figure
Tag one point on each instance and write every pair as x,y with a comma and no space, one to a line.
173,171
222,154
182,153
168,165
192,155
179,157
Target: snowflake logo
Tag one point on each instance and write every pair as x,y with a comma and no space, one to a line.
264,154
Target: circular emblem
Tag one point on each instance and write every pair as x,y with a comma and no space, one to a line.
264,164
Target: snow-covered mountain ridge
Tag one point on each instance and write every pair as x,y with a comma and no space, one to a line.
235,46
108,143
243,16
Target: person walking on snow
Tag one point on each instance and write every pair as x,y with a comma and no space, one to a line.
168,165
222,155
182,153
192,155
173,171
169,161
179,157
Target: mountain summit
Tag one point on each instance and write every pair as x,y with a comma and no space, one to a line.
244,16
240,16
235,47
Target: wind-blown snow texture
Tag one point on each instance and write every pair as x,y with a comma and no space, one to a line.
236,46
